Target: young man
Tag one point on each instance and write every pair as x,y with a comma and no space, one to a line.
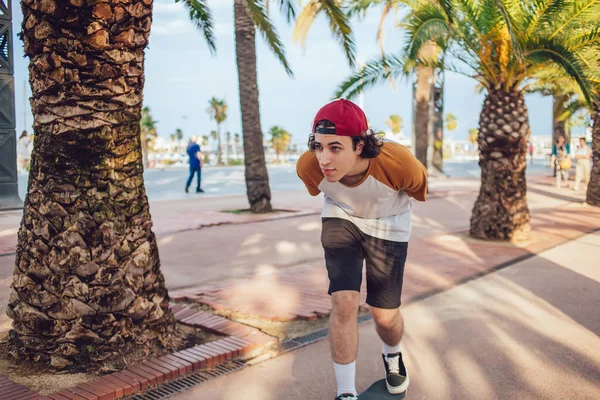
366,215
195,154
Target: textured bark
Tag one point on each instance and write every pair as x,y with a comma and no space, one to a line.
501,210
422,110
423,101
219,148
559,128
593,191
257,177
87,284
144,143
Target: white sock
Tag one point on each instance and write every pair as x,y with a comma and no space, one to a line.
345,376
391,349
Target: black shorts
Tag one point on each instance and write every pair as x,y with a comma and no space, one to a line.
347,247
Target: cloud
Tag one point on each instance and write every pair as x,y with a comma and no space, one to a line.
171,28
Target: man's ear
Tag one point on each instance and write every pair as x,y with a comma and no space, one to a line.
360,146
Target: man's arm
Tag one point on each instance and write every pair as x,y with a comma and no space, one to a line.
405,172
308,170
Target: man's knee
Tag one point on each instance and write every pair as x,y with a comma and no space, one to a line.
345,304
386,319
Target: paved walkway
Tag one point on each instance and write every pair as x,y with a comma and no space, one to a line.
193,258
528,331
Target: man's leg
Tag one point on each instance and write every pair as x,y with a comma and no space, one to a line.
344,260
389,325
385,273
199,179
189,181
343,338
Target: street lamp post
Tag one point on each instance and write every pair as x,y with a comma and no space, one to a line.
9,195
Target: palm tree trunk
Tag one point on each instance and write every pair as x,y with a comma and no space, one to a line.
593,191
144,142
219,148
422,99
559,127
257,177
501,210
87,284
422,120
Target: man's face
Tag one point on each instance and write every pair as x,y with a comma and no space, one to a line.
336,155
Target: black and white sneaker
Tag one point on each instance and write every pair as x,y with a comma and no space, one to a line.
396,377
347,396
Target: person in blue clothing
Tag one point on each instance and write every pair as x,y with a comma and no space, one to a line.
561,160
195,154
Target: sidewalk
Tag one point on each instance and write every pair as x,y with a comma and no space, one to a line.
254,251
441,256
528,331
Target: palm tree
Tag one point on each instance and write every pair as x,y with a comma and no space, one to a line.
394,122
501,44
473,135
217,110
593,191
205,139
236,143
280,139
249,16
179,137
87,287
451,123
227,145
147,133
173,145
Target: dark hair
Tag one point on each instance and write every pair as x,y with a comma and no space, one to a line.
372,141
23,134
583,138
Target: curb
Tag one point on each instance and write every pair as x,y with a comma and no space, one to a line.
242,342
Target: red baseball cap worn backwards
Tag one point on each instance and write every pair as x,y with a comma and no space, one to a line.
348,119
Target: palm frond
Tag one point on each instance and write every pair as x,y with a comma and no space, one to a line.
576,105
583,10
508,9
257,11
288,9
553,50
358,8
539,12
425,24
340,26
201,17
338,23
374,72
449,9
585,38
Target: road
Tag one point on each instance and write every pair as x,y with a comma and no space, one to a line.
168,184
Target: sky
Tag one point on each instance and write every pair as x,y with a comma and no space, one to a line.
182,75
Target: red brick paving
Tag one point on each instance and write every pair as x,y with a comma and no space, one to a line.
10,390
